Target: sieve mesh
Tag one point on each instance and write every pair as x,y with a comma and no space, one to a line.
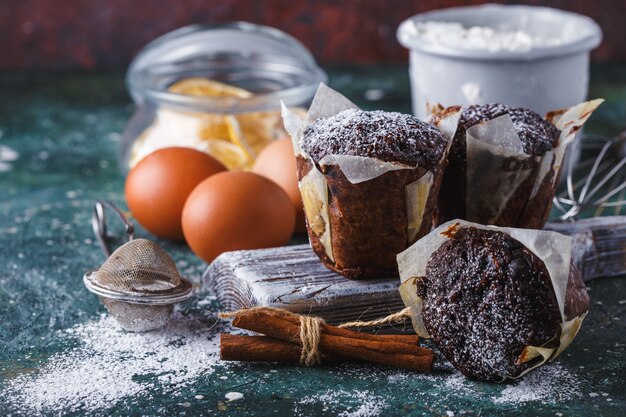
139,266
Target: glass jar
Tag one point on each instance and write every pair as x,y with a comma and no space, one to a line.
265,65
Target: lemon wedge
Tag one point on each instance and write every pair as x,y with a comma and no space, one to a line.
198,86
229,154
237,137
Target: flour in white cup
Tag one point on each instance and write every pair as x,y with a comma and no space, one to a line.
485,38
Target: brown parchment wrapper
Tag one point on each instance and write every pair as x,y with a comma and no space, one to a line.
553,248
502,184
362,211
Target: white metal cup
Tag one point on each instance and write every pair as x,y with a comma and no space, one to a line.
542,78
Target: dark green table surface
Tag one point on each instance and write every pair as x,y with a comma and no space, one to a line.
53,335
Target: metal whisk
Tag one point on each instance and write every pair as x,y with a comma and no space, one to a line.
598,182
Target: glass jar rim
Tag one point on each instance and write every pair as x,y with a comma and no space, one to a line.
292,52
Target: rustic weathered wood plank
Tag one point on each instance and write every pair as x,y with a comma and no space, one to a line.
599,247
292,277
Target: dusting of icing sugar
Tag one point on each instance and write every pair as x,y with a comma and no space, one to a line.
551,384
388,136
479,320
110,365
537,135
362,403
547,384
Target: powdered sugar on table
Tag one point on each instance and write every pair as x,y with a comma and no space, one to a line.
110,365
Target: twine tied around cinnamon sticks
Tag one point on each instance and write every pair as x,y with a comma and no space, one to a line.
310,341
310,329
398,317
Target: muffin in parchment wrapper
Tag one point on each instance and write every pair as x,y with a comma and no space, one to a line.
503,175
362,210
498,302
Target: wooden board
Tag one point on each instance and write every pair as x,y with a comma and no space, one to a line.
599,245
292,277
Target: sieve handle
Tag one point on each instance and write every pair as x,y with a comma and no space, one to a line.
99,224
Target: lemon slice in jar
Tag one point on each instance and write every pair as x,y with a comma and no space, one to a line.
197,86
229,154
237,137
213,126
235,140
260,128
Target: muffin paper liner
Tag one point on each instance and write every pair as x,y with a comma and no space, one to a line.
569,122
502,180
314,191
416,197
496,168
357,169
553,248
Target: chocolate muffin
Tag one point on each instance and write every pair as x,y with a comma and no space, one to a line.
369,221
527,207
486,297
388,136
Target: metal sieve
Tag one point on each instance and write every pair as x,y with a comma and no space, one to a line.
139,282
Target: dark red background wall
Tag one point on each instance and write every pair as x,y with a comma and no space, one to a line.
87,34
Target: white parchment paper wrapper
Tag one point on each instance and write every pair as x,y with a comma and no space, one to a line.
357,169
497,166
569,122
553,248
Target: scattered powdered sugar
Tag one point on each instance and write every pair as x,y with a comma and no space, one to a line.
458,383
110,365
362,403
550,383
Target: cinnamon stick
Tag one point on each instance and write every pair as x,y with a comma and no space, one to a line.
263,349
401,355
343,332
409,339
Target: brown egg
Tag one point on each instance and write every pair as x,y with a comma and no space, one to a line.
236,210
158,186
278,163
